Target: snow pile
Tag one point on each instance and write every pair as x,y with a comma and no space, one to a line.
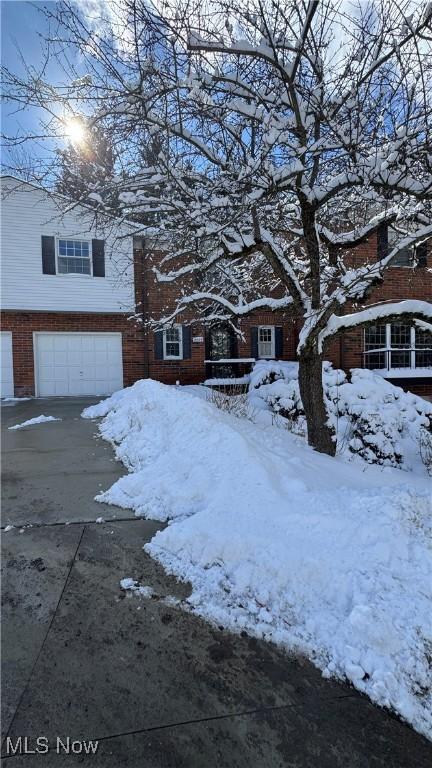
322,556
36,420
371,417
133,587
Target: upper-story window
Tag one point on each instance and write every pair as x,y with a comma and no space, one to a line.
73,257
405,257
266,341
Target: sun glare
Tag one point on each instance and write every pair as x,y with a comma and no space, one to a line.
75,130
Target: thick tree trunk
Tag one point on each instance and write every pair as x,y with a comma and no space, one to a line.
320,434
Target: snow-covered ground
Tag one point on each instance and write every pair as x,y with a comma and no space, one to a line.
327,557
36,420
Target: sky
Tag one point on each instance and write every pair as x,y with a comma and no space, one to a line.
22,23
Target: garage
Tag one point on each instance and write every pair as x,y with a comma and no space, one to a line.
72,364
7,378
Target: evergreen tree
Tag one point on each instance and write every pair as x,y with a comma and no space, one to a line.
86,169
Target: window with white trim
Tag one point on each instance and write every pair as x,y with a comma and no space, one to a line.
173,343
73,257
397,345
266,341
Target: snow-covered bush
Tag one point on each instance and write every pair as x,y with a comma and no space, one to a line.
269,371
374,439
425,446
371,417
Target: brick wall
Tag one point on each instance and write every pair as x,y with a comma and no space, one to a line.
399,283
345,351
23,324
160,299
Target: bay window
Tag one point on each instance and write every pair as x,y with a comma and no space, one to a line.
397,345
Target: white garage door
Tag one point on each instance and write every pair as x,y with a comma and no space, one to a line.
7,379
78,363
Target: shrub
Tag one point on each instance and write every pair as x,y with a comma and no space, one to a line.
425,446
235,402
374,440
368,414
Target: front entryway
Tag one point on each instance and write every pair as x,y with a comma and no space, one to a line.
221,346
77,363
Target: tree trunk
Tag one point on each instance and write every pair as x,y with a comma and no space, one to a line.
320,434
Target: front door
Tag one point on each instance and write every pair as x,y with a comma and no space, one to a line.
221,343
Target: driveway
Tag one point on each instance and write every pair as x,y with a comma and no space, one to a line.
157,687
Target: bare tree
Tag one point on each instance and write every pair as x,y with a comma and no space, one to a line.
288,134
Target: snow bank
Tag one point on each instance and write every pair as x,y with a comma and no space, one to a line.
325,557
36,420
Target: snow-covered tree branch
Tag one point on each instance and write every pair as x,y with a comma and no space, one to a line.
279,137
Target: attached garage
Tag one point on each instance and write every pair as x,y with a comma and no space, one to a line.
6,374
74,364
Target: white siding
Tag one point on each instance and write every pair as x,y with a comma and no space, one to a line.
27,213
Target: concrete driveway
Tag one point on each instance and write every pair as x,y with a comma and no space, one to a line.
158,688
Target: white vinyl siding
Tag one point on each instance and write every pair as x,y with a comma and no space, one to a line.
6,373
28,213
68,364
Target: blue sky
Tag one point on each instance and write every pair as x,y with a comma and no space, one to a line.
22,23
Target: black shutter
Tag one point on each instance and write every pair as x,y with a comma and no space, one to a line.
254,342
158,345
421,254
382,241
278,342
98,254
187,351
48,255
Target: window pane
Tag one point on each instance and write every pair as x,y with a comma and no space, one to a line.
400,360
375,360
400,335
375,337
73,266
172,349
172,334
423,356
264,349
405,258
423,338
